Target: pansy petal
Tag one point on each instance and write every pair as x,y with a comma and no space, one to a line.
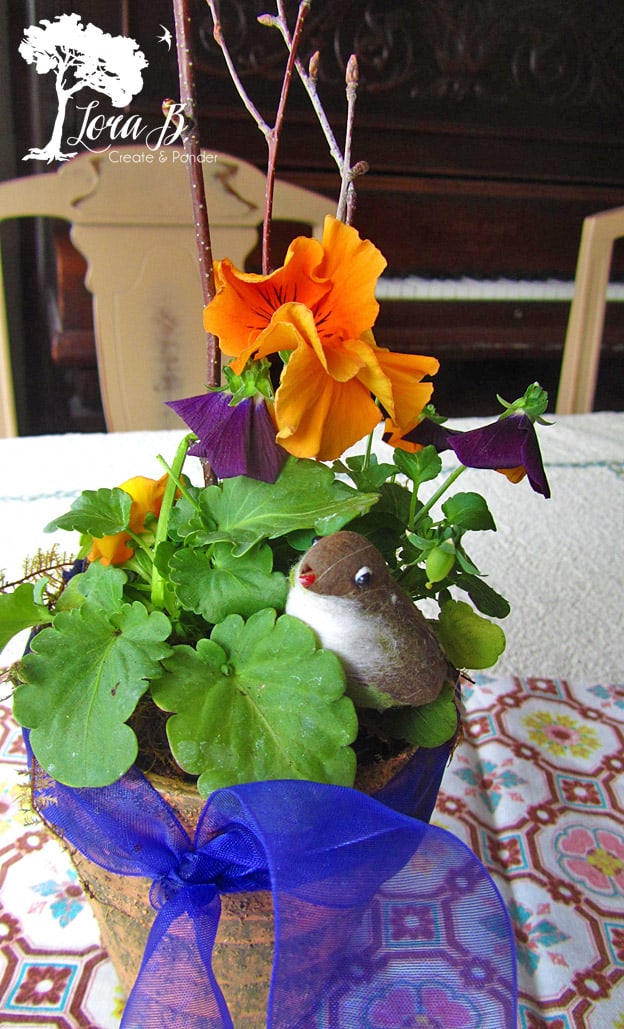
147,497
291,326
497,445
532,460
245,302
111,550
507,443
406,371
395,379
353,265
237,440
430,434
395,436
513,474
346,360
317,416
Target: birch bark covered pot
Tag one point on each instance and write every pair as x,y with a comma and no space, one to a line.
244,948
342,580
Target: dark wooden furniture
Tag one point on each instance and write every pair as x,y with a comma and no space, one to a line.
492,128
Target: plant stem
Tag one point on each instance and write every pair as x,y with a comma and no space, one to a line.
159,582
192,150
180,486
368,452
39,573
450,479
141,544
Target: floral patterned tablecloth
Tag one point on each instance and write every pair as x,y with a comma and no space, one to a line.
536,789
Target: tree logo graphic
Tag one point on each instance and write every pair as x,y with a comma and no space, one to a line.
81,56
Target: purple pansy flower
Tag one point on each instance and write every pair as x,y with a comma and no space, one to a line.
235,440
508,443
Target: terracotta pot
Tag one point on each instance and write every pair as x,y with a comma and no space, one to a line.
243,952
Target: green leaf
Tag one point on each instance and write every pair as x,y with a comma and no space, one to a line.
257,701
469,641
466,563
305,495
428,726
384,525
187,520
469,511
102,585
83,679
424,465
19,610
486,599
102,512
367,474
224,584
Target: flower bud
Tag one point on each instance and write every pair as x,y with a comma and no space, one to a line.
440,562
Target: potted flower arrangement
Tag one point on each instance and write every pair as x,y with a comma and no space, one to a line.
261,634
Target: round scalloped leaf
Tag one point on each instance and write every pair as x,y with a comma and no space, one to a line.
102,512
258,700
83,679
219,584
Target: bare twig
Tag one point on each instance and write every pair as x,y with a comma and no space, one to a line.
308,79
346,202
346,184
270,133
279,21
192,150
231,67
192,147
274,135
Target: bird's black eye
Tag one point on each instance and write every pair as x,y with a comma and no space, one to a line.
363,577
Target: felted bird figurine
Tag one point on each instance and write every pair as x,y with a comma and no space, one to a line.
342,588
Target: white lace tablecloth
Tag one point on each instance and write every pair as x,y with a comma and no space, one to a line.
536,788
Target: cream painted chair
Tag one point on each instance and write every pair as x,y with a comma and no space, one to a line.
581,355
131,219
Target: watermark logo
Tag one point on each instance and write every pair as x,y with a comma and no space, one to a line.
83,56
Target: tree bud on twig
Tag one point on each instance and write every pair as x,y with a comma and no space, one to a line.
269,20
359,168
313,66
352,74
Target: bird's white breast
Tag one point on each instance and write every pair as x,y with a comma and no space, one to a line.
338,623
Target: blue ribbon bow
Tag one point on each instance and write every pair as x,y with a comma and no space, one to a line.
381,920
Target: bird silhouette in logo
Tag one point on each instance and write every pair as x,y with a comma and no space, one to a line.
165,38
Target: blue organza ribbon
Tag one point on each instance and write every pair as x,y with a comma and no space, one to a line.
381,920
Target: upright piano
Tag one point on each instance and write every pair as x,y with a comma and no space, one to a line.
491,128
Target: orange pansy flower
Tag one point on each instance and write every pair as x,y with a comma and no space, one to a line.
147,497
319,307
